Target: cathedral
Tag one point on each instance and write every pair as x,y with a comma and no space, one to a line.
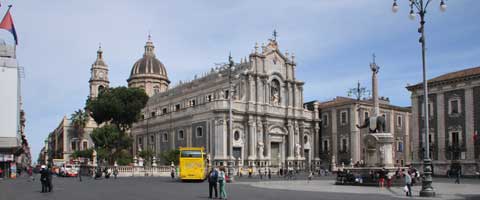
270,125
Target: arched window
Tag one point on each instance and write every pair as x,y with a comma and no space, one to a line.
275,92
199,132
181,136
101,89
156,89
85,145
74,145
236,135
305,139
165,137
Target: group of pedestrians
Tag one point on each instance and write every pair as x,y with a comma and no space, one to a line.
217,176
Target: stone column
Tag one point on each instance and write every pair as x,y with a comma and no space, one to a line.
441,126
257,89
414,135
334,134
260,139
266,140
291,142
354,134
217,138
208,136
469,108
407,140
301,132
287,95
251,140
316,135
188,134
224,138
294,95
251,89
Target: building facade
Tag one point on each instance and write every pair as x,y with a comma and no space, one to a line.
342,143
63,141
454,117
14,148
270,125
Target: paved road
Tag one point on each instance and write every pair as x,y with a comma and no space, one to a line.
163,188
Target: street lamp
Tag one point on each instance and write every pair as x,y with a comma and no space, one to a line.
420,6
358,92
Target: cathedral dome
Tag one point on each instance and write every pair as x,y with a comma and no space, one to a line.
148,72
149,65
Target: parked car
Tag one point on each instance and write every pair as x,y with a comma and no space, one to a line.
68,171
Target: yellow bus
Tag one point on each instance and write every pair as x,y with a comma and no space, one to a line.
193,163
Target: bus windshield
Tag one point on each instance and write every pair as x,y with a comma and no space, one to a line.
191,154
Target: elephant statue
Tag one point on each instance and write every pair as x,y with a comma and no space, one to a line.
378,126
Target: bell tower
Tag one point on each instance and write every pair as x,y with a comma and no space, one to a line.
99,75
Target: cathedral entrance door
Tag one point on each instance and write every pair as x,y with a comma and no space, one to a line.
275,154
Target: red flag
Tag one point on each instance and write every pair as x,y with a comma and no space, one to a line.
7,24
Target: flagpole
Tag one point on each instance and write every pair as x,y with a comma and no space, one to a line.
15,45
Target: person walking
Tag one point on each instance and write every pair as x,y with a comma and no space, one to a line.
79,174
49,179
310,176
260,173
221,181
269,173
30,174
43,178
212,183
457,176
250,171
115,172
408,183
172,173
381,178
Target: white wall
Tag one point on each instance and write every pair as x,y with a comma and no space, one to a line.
9,113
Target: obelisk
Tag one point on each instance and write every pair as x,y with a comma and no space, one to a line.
374,67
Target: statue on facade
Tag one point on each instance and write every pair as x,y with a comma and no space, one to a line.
222,94
275,92
297,149
261,147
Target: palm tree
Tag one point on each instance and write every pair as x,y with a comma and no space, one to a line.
79,121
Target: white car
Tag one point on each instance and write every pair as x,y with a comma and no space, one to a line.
71,171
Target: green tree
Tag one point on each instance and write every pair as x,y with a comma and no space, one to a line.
87,153
120,106
79,121
170,156
110,142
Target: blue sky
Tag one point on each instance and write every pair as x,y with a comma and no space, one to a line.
333,41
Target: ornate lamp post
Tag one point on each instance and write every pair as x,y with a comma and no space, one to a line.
420,7
358,92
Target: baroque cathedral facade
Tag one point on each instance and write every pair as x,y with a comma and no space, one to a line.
270,125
